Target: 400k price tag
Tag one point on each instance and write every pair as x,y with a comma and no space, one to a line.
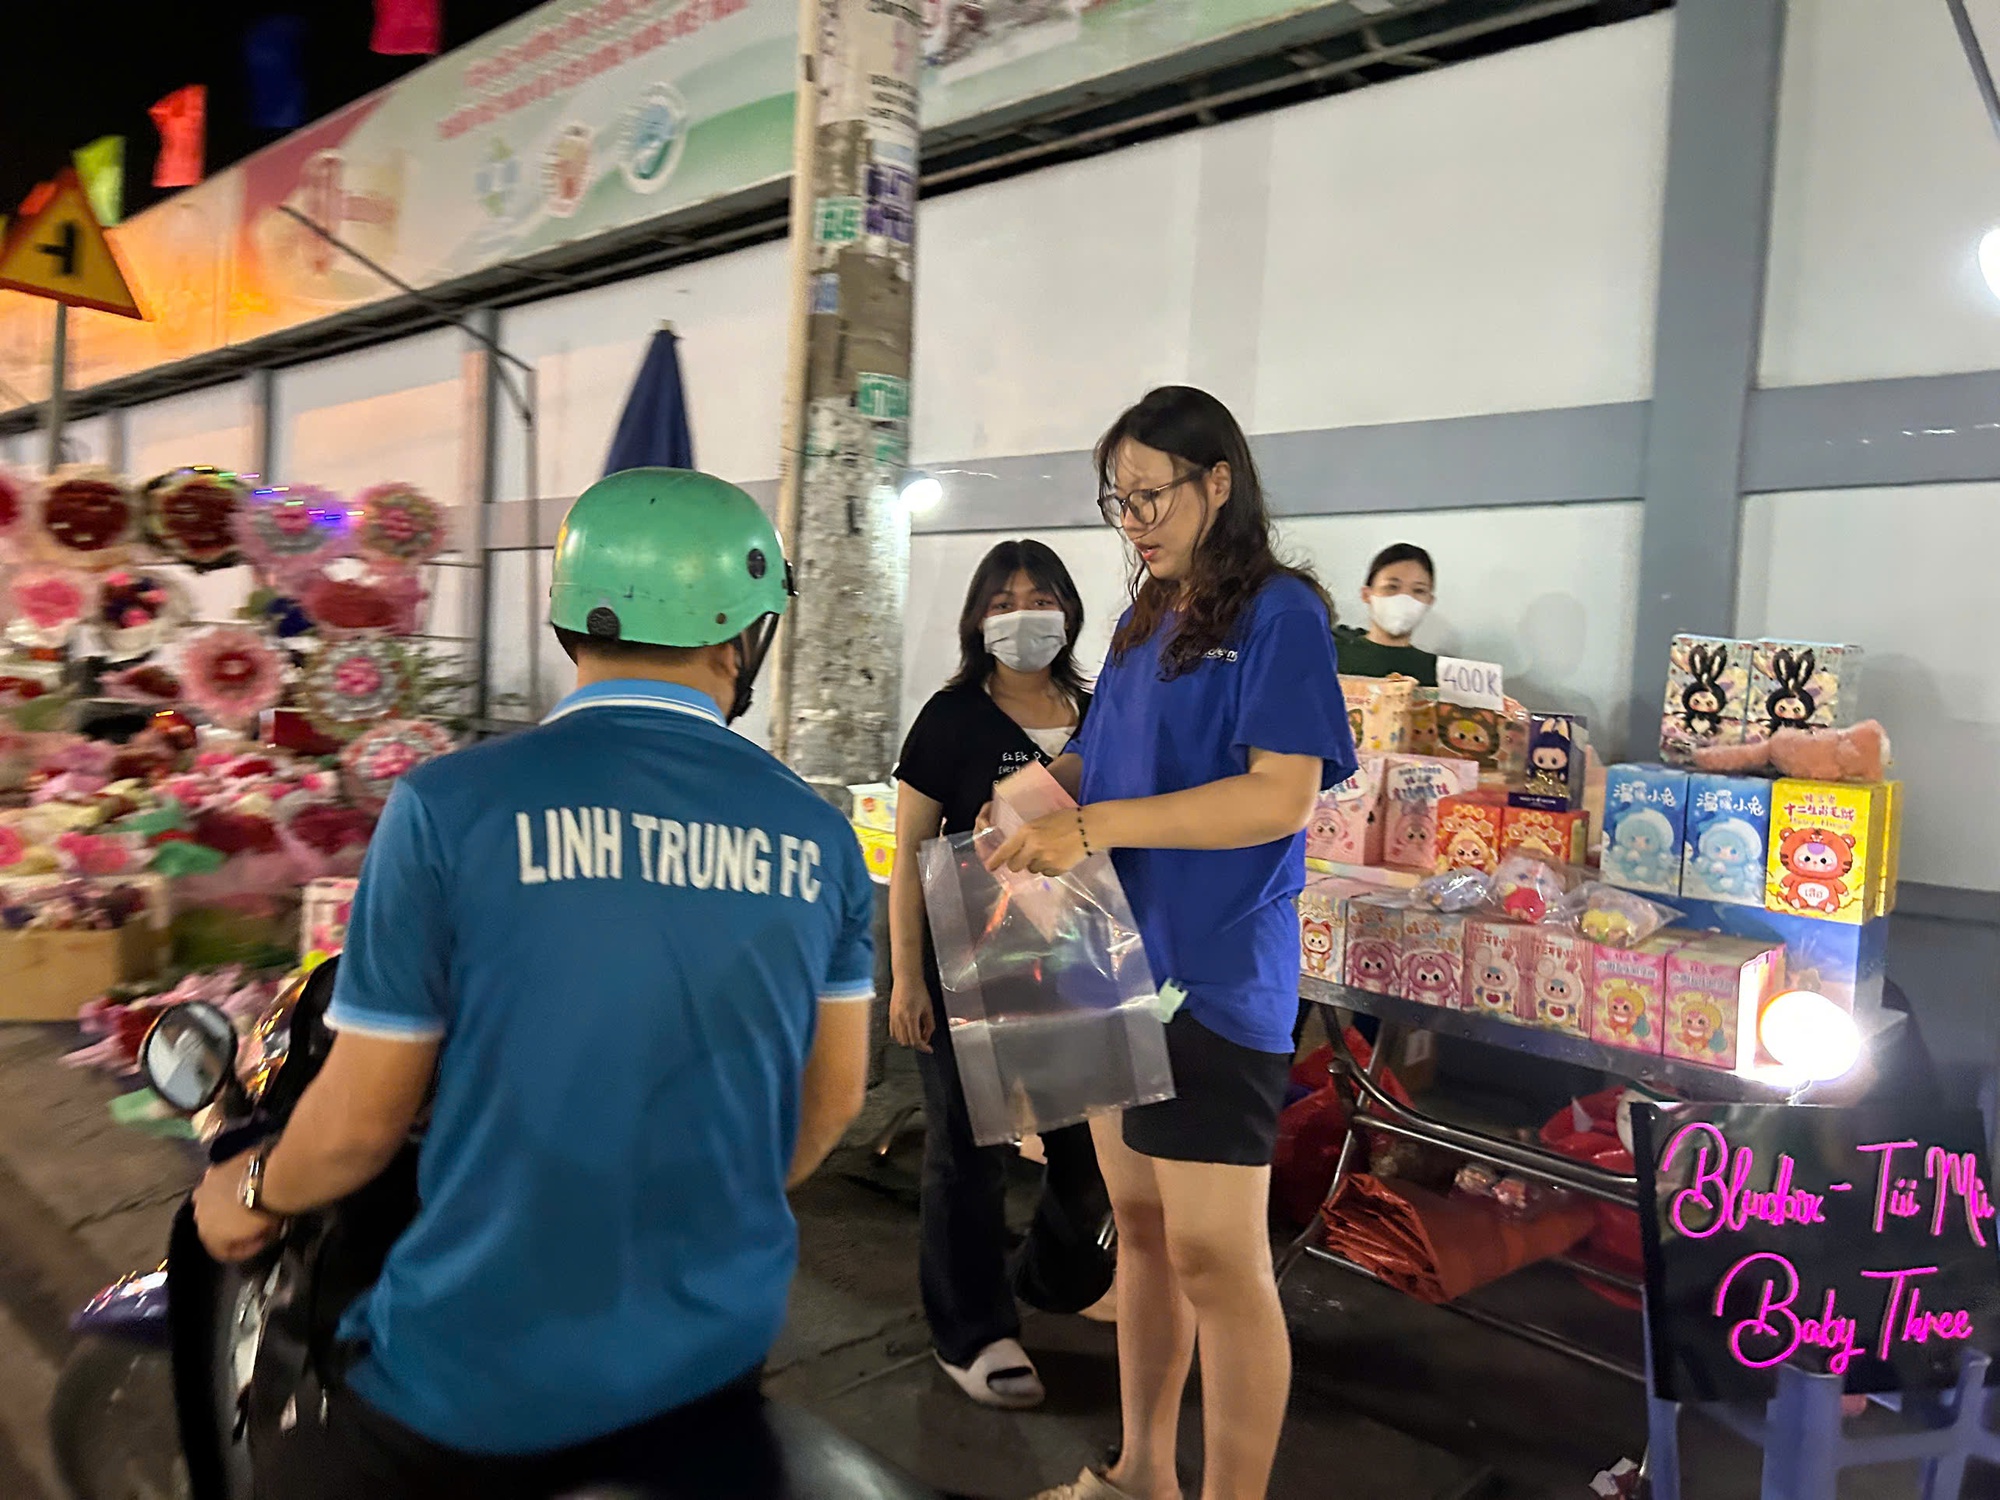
1856,1242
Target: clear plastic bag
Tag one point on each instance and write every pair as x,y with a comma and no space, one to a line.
1054,1012
1611,916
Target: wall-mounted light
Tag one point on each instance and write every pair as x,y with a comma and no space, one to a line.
921,492
1809,1035
1989,260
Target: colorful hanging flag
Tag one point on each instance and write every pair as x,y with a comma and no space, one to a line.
271,51
407,28
101,166
180,119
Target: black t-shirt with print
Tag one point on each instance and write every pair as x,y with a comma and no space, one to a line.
961,744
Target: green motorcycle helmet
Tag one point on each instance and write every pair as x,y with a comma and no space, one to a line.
671,557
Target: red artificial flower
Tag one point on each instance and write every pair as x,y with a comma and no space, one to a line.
328,828
346,604
252,765
236,833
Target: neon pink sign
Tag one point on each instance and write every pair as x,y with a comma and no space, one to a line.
1768,1315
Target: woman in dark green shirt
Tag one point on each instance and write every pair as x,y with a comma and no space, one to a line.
1398,596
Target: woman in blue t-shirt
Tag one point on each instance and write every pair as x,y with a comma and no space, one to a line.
1217,722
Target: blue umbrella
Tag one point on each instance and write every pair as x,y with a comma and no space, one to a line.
653,432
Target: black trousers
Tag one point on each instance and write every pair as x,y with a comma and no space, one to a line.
963,1262
717,1448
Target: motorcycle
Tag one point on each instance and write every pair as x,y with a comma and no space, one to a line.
244,1344
223,1330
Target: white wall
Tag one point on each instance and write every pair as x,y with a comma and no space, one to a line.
404,411
1558,615
1877,567
84,442
1887,177
1483,239
1480,239
214,426
729,314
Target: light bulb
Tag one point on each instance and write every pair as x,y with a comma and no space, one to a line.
1810,1035
1989,260
920,492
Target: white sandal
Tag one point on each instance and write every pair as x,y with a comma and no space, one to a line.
1001,1376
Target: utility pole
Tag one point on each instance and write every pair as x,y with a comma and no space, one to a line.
58,378
837,694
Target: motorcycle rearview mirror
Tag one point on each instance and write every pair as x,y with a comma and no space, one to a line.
189,1055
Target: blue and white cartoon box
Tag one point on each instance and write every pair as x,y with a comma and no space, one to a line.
1728,830
1645,811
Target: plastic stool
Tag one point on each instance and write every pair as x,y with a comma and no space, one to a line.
1805,1448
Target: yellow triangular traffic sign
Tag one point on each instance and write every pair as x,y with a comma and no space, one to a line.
58,250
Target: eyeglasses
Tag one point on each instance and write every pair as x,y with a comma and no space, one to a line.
1143,506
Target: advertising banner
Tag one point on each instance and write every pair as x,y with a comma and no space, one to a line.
581,118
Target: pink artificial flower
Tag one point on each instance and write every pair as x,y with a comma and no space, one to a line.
12,847
49,600
357,677
93,854
232,674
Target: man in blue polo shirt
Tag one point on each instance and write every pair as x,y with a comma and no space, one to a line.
635,952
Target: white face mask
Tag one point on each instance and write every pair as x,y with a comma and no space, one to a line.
1028,639
1397,614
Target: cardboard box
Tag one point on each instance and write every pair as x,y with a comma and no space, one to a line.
1323,925
324,913
1628,993
1725,851
1892,848
1378,712
1563,968
1412,788
1499,965
1716,988
1431,966
1561,837
1347,822
1801,685
878,852
1558,748
1827,849
45,975
1645,822
1708,690
875,806
1424,721
1844,961
1469,828
1374,942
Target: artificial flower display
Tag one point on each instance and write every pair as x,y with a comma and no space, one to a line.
399,523
292,531
352,684
43,604
190,514
382,754
231,674
138,611
86,518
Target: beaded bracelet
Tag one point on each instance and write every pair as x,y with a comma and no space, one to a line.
1083,833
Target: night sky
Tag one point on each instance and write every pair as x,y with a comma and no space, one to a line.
78,71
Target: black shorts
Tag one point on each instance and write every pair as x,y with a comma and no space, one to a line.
1225,1105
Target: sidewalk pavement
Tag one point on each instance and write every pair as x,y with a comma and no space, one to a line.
1391,1401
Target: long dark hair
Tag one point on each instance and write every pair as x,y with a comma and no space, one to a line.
1232,561
995,571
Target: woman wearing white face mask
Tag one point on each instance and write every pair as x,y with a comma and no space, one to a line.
1016,699
1398,594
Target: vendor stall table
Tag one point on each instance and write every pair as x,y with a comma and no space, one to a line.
1375,1110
